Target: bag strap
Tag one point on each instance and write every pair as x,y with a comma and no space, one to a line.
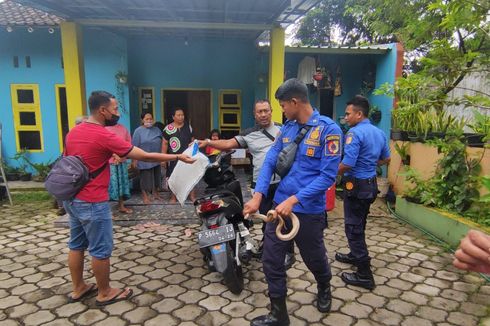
96,173
265,132
302,133
92,175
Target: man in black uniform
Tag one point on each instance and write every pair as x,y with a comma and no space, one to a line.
365,148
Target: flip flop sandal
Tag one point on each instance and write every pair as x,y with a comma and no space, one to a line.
91,290
115,298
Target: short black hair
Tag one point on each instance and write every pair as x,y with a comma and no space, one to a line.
174,110
292,88
145,113
262,100
360,103
99,98
215,131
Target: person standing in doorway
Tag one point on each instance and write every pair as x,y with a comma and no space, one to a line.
177,136
149,138
89,212
366,147
302,191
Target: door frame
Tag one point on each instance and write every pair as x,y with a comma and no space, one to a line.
58,115
211,109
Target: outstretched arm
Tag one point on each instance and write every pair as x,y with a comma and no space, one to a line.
221,144
141,155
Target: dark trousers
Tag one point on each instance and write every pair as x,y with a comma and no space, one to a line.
355,218
311,247
266,205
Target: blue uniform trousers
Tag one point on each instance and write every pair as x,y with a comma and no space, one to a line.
356,210
311,247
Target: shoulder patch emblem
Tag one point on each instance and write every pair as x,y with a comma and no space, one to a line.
310,151
285,140
333,145
314,137
348,139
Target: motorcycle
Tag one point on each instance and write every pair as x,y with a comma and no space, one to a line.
224,239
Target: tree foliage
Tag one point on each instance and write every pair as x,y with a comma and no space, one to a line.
334,23
445,39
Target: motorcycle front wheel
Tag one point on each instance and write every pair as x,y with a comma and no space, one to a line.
233,275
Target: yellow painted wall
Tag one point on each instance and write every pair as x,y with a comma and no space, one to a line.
71,43
276,70
423,158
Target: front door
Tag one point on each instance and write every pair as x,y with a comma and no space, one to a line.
196,105
62,107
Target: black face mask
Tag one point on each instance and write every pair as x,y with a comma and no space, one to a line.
112,121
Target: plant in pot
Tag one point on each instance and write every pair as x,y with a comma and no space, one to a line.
20,157
481,127
121,77
11,173
375,115
441,121
42,170
403,152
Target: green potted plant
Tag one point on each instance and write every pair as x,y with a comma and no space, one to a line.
121,77
11,173
481,128
375,115
403,152
20,157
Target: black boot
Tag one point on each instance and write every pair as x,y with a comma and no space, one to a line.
363,277
324,297
343,258
277,317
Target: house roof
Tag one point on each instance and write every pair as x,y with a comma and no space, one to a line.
15,14
229,18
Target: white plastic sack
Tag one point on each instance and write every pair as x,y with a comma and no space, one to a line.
186,176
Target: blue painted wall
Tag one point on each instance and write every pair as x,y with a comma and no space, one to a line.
105,54
204,64
385,72
353,68
46,71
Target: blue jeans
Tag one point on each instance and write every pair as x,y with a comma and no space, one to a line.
90,227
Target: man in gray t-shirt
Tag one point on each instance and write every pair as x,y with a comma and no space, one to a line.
258,140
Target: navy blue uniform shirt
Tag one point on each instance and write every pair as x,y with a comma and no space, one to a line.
364,146
314,168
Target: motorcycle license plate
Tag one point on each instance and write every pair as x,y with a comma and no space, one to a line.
211,237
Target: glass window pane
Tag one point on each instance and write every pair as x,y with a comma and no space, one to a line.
230,118
27,118
25,96
230,99
30,139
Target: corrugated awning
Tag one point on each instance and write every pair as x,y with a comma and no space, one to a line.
230,18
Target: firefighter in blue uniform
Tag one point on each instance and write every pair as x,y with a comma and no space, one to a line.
365,148
301,191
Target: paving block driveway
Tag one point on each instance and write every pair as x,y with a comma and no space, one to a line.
416,284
